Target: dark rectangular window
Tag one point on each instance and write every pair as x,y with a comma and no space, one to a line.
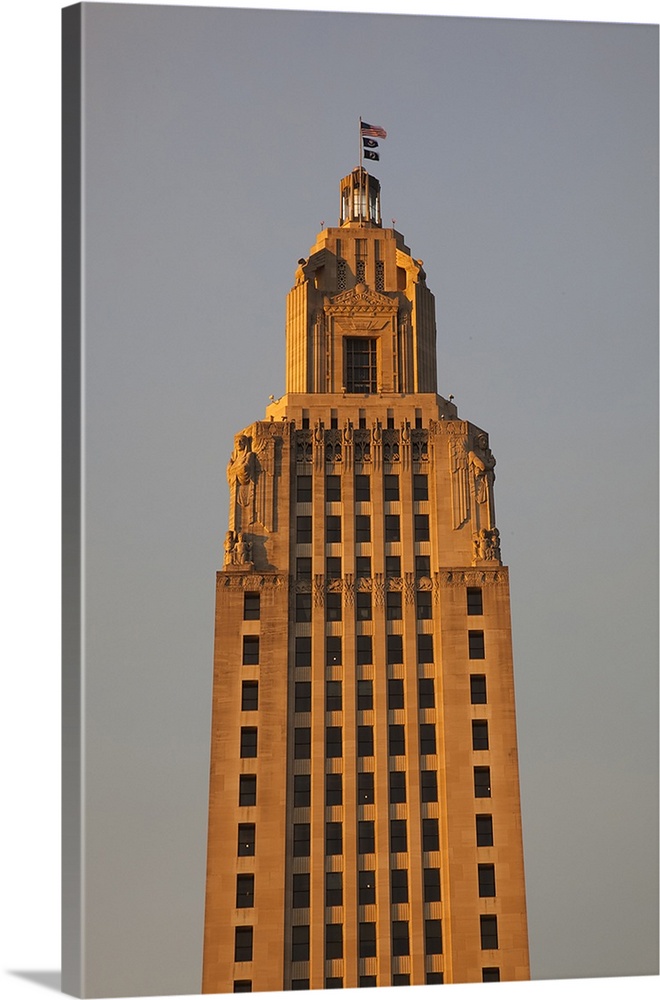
490,975
247,790
366,836
250,649
484,831
333,789
366,887
429,786
422,566
433,937
249,696
424,607
391,487
392,528
333,489
363,650
422,528
476,648
393,566
360,364
420,486
479,734
303,696
486,880
488,932
478,689
333,741
304,489
244,891
365,741
400,979
362,528
246,840
300,943
397,741
300,984
368,980
304,529
248,741
367,942
301,790
333,607
400,938
251,605
399,885
333,838
363,605
304,567
427,738
303,607
243,944
398,836
363,566
424,648
362,489
430,835
303,651
393,605
426,692
301,891
365,696
301,840
397,786
333,700
435,978
474,601
242,986
334,941
365,788
482,782
334,893
333,567
431,885
302,743
333,528
395,649
394,694
332,650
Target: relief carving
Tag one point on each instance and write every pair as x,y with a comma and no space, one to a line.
487,545
482,465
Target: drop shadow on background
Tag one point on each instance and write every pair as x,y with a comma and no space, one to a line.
49,980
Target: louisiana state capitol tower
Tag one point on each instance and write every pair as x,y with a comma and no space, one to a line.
364,817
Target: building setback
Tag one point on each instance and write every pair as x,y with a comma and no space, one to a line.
364,818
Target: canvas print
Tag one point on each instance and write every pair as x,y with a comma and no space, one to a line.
336,283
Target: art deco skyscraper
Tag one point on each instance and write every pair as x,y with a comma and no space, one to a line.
364,824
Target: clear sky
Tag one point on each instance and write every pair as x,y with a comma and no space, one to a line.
521,165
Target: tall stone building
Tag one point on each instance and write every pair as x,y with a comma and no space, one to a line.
364,825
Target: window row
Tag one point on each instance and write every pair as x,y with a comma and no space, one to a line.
302,741
393,604
364,694
362,567
366,836
364,649
362,494
488,975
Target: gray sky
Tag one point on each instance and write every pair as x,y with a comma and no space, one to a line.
521,165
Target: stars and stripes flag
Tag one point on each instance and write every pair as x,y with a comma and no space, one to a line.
373,130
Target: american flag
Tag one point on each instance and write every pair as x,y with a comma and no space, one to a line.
374,130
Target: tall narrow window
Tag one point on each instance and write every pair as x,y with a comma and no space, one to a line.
431,885
303,696
250,649
482,782
424,606
333,528
397,786
479,734
392,528
300,943
476,648
363,611
420,487
334,941
422,566
426,692
433,937
334,894
397,741
400,938
304,489
363,649
391,487
249,696
365,695
429,786
332,650
488,932
303,607
365,741
333,789
243,944
427,738
366,887
248,741
366,836
360,372
303,653
362,528
478,689
474,601
394,694
301,840
301,890
395,649
333,838
398,836
333,489
333,699
246,840
486,880
362,489
304,568
333,741
302,743
332,607
399,885
484,831
392,566
393,605
333,567
367,940
303,530
424,647
247,790
363,568
421,528
430,835
365,787
244,891
251,605
301,790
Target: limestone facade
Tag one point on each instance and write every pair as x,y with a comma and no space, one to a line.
364,820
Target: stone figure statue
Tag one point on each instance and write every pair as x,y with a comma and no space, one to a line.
241,471
482,464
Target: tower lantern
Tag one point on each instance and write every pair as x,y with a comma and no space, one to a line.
360,199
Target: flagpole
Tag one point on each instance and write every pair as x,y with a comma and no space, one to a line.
360,143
